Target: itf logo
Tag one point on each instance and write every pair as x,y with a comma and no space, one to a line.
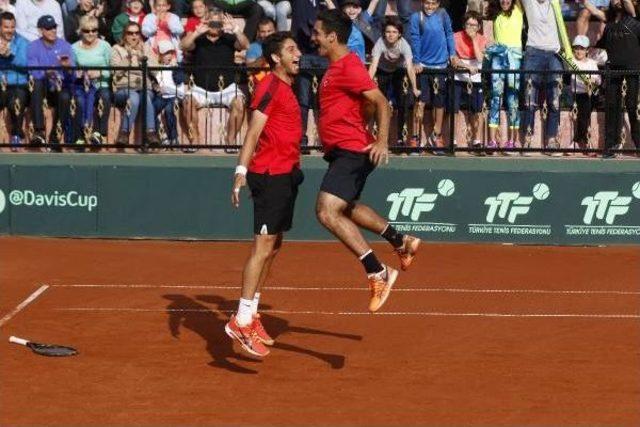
509,205
413,202
608,205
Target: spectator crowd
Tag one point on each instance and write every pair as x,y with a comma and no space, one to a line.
160,62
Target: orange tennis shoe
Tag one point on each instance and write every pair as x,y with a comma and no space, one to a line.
260,331
247,337
380,285
408,251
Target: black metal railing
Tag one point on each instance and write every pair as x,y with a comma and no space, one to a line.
150,108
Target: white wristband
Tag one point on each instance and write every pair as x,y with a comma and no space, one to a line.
241,170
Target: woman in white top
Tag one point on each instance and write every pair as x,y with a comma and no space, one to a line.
583,94
391,63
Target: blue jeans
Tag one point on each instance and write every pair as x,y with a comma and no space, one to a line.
164,107
128,120
404,12
504,87
279,11
88,110
541,60
304,89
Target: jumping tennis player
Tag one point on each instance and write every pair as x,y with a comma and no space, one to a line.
353,153
273,174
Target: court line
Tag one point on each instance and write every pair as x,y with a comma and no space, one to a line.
363,288
360,313
23,304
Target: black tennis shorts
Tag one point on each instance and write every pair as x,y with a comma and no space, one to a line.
347,173
274,198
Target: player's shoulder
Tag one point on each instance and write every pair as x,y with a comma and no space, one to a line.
269,83
352,62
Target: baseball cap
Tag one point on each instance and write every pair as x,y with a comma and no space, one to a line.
47,22
165,46
582,41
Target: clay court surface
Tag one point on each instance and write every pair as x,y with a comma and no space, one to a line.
473,335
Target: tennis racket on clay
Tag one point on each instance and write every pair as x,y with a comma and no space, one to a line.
50,350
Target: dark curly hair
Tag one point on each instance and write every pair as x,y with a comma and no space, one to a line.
495,9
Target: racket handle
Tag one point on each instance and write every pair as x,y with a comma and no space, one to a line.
17,340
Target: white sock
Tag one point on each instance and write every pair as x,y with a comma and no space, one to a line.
254,303
244,318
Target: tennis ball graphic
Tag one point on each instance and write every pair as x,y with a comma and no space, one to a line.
635,190
541,191
446,187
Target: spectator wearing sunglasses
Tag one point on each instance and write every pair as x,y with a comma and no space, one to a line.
91,89
130,52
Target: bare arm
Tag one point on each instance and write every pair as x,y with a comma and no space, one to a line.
188,42
379,151
372,7
628,5
330,4
242,42
411,72
374,66
594,11
256,126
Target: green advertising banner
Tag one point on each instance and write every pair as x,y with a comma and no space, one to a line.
525,201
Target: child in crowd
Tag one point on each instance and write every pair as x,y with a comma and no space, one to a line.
505,54
433,50
134,13
162,25
363,30
470,46
583,94
391,63
167,93
198,14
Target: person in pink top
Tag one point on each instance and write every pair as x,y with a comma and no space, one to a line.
162,25
470,45
198,14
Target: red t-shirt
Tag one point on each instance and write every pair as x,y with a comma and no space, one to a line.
278,148
191,24
342,121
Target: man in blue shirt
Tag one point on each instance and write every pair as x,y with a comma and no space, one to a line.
13,53
266,27
50,86
431,39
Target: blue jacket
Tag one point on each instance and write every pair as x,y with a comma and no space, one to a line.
356,42
17,58
42,55
431,38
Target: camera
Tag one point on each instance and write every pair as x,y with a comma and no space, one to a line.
215,25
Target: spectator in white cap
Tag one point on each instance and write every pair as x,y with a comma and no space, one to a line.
583,90
28,12
167,92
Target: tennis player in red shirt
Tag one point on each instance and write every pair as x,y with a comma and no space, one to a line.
270,163
353,153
